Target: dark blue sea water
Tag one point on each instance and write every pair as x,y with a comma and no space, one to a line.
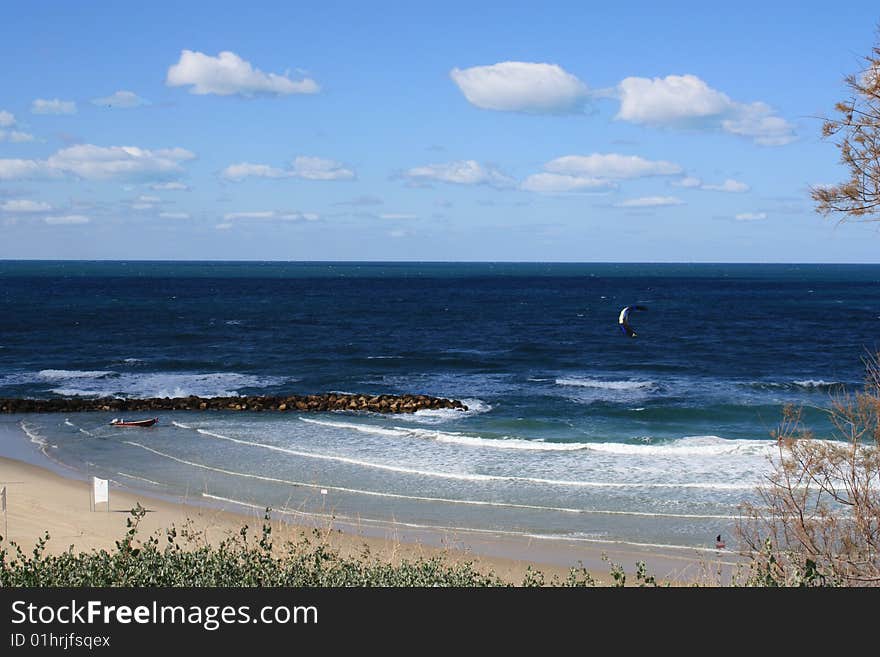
574,430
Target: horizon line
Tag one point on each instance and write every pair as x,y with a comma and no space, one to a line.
430,262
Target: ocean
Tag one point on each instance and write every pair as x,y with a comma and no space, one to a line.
573,430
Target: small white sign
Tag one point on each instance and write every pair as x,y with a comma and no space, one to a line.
102,490
323,491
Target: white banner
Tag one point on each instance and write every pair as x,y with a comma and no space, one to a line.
102,490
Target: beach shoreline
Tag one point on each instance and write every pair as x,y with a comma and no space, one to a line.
45,495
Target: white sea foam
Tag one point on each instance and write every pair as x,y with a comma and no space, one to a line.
502,443
464,476
349,460
416,498
77,392
63,375
807,384
816,383
106,383
451,437
344,489
439,415
363,428
78,428
606,385
689,446
158,384
384,357
35,437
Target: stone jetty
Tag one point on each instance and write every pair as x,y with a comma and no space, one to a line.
296,403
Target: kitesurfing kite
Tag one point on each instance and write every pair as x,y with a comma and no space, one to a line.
623,320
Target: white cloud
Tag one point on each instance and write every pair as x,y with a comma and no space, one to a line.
170,186
399,233
305,216
242,170
121,100
232,216
99,163
15,136
674,99
272,214
398,215
751,216
758,122
54,106
535,88
317,168
611,165
174,215
308,168
6,119
550,183
362,200
24,206
649,202
598,171
729,185
224,226
463,172
687,181
686,101
66,219
12,169
145,202
228,74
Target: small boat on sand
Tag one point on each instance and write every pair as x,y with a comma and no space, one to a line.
116,422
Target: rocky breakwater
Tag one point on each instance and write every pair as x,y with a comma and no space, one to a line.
298,403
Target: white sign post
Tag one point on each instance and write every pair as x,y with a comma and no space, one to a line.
100,493
5,519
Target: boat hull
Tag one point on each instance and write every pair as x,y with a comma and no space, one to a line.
135,423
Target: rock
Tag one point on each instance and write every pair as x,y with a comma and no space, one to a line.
312,403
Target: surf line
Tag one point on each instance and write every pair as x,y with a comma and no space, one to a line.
417,498
149,481
468,477
78,428
454,437
464,530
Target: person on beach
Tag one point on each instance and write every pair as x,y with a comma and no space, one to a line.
718,542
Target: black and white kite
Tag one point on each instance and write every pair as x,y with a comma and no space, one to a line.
623,320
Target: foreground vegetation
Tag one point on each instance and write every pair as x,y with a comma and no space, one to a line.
181,559
818,522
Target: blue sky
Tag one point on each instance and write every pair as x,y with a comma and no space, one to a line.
460,131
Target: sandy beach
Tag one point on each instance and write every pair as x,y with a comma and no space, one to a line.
40,499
